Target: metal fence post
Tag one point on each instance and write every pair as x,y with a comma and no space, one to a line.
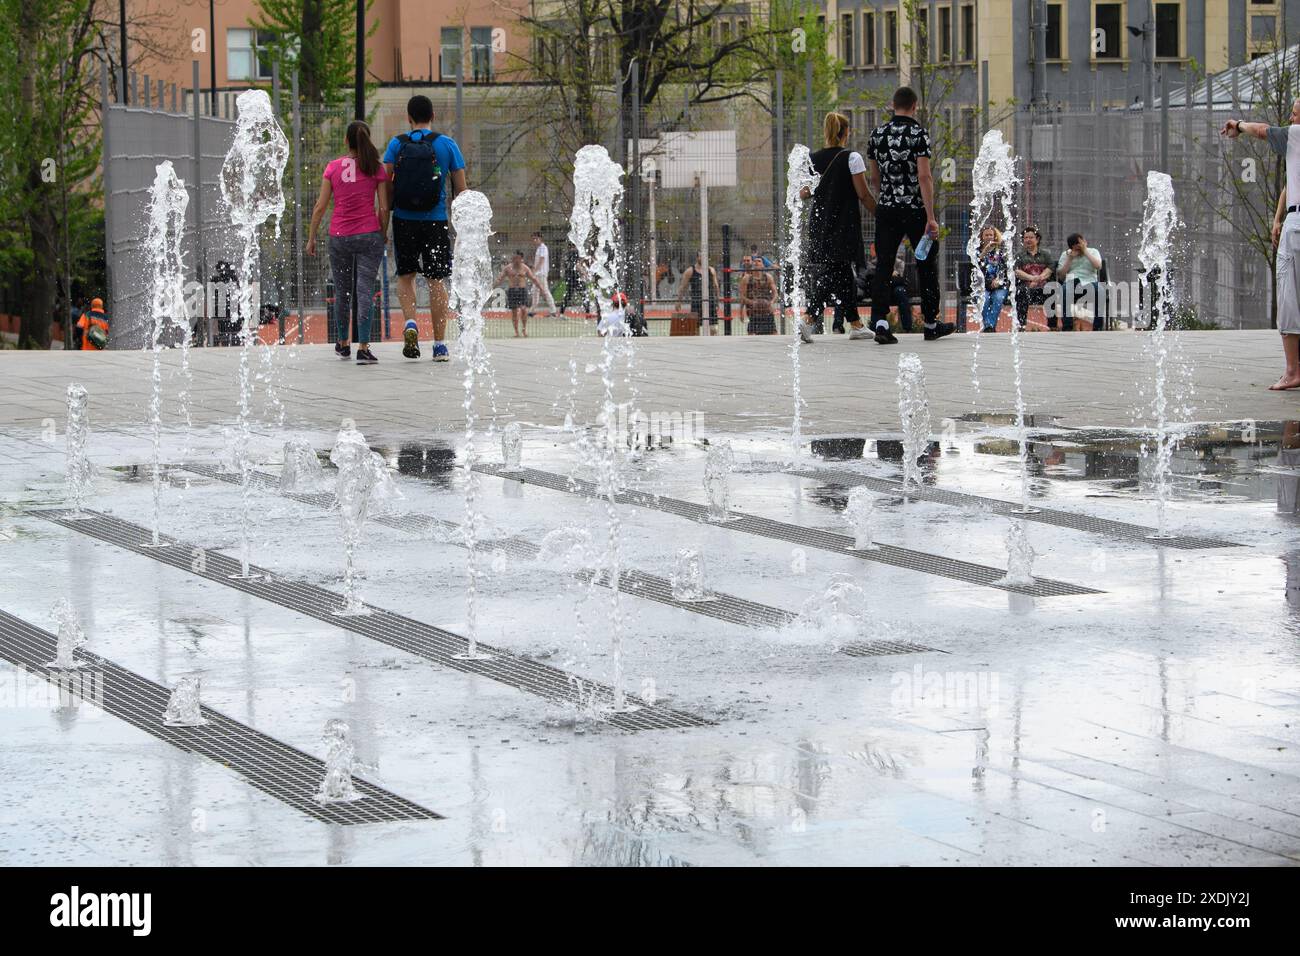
1164,119
636,292
200,262
297,199
808,102
106,108
779,253
460,100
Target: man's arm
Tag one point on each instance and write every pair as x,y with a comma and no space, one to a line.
925,179
1278,215
1063,264
532,277
1095,260
875,178
457,185
388,187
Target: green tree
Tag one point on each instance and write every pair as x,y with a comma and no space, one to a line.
51,222
318,39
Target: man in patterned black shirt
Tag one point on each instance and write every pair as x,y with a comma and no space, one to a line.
900,176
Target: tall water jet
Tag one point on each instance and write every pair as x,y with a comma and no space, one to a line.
251,187
185,707
471,284
718,466
593,230
914,412
70,636
799,174
994,180
168,201
78,471
360,477
1159,222
340,761
860,512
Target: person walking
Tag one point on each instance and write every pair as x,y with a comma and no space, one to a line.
357,230
835,243
516,276
542,269
904,185
92,328
992,262
1285,141
1033,270
426,172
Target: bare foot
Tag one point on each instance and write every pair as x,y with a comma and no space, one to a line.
525,333
1284,383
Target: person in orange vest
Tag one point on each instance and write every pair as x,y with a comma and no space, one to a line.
93,327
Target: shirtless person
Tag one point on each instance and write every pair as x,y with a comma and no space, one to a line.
517,275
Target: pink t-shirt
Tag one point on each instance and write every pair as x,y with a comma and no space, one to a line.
354,197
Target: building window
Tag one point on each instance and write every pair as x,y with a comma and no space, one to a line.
868,39
1262,29
922,35
449,53
945,34
248,54
480,53
846,40
967,51
891,37
1169,30
1108,31
1055,31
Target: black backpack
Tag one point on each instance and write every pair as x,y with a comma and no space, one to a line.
417,177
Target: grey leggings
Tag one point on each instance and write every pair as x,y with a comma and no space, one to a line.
367,249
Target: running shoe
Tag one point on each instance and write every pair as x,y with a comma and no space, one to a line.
885,337
366,357
806,333
440,353
342,351
939,330
411,340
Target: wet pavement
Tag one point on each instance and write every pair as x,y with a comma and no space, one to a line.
1155,721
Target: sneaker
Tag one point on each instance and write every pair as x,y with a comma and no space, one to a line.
858,334
885,337
366,357
411,341
806,333
440,353
342,351
939,330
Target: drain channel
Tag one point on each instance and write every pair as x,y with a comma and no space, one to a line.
393,630
269,765
922,561
642,584
1060,519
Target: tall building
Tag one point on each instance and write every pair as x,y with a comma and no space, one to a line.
415,41
1051,51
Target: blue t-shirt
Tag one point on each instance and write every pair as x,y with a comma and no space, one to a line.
449,160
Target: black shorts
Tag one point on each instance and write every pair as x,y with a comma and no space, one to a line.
422,246
517,298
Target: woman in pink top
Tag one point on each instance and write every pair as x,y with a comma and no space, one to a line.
357,233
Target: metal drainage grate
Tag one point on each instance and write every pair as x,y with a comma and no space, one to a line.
936,564
642,584
270,765
393,630
1061,519
885,648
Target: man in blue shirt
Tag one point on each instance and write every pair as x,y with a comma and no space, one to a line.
425,174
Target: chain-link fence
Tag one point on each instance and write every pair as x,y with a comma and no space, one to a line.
712,176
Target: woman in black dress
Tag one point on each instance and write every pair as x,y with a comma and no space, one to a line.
835,242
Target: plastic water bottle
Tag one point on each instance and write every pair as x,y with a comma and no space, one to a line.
923,247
